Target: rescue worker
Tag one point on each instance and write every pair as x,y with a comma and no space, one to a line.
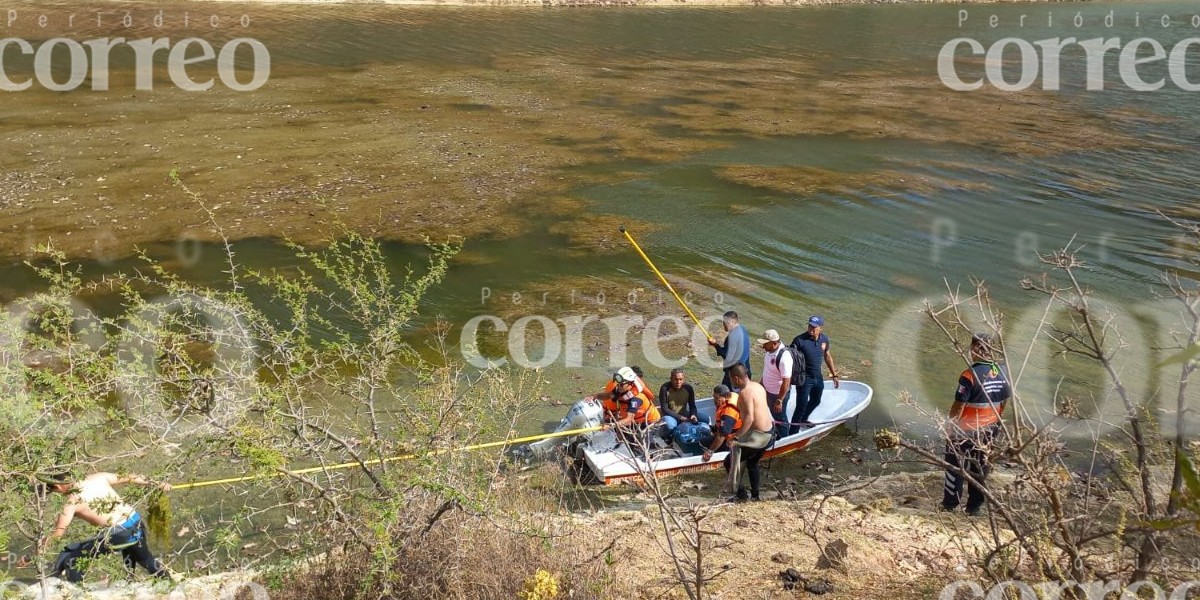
983,391
633,405
727,422
628,410
608,398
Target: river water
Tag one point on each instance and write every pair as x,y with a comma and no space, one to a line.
775,161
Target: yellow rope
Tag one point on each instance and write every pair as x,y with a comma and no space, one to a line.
377,461
664,280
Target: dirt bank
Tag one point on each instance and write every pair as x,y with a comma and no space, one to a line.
893,538
894,541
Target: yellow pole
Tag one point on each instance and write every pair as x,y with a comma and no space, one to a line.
376,461
664,280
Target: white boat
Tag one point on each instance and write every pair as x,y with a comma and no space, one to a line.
600,456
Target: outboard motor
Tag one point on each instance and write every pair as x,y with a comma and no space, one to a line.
584,414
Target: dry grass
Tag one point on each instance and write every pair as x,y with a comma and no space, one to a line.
462,557
909,551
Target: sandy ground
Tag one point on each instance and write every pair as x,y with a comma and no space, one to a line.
895,542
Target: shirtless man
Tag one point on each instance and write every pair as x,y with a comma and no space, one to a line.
95,501
756,434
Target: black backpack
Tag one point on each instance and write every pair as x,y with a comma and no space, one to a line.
799,364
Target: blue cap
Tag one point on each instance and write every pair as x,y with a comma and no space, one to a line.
816,321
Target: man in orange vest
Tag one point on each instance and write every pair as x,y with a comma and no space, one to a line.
983,390
628,403
727,422
608,398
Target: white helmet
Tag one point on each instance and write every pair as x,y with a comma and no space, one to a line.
625,375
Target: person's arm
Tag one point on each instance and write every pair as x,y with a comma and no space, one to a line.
137,480
785,375
634,404
611,419
60,526
614,421
598,395
966,387
784,381
956,409
747,419
725,429
833,374
606,415
1008,392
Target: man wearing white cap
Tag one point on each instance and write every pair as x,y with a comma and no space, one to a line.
777,375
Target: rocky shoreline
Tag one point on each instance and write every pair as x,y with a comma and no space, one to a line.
220,585
846,543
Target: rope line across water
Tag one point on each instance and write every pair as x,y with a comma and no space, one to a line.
376,461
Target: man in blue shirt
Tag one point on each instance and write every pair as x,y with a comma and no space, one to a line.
814,345
736,349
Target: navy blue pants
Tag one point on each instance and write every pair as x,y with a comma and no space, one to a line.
779,416
808,398
131,543
970,455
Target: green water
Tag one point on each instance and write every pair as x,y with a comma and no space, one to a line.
864,256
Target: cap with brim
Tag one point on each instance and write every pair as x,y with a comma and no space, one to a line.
816,321
769,336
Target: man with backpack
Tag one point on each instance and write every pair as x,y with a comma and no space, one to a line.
779,367
813,345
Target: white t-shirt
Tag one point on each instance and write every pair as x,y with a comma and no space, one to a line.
773,375
103,500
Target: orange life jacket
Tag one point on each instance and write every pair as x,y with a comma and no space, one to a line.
641,387
646,413
646,389
730,409
612,409
615,410
983,394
